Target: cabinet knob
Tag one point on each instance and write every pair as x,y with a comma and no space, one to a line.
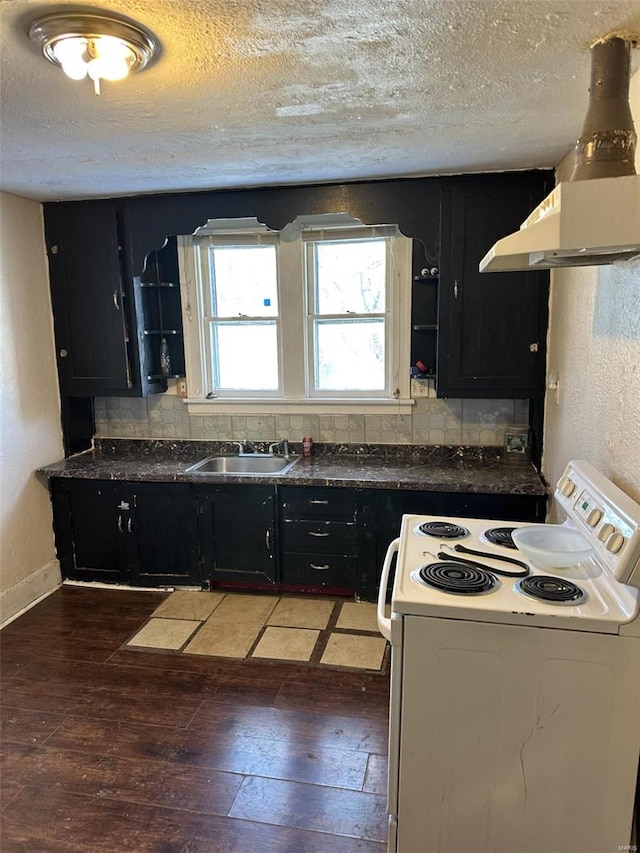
533,347
64,353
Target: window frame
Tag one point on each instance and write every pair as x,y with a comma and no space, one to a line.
310,239
295,394
211,321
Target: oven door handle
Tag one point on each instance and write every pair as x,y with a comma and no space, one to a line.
384,624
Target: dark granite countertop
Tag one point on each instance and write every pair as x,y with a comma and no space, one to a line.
438,469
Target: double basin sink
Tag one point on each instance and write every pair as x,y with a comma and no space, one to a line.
245,463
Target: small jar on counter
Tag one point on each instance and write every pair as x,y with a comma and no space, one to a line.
307,446
516,446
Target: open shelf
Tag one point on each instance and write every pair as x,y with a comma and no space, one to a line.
162,312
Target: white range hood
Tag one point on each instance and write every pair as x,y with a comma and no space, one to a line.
580,223
595,217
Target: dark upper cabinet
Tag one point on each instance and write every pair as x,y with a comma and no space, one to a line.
97,311
89,297
492,326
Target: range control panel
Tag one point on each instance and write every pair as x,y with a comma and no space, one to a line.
608,517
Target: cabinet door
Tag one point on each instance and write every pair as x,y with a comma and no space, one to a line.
164,535
236,533
383,517
88,298
492,326
91,521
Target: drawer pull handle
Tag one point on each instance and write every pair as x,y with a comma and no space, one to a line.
313,533
120,524
321,503
319,568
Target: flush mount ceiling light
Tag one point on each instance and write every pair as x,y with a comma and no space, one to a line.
100,46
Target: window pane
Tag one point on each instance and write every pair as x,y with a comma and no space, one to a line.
349,355
244,281
350,276
245,356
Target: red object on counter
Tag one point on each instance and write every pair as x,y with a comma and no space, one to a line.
307,446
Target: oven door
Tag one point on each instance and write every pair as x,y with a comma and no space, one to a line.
392,628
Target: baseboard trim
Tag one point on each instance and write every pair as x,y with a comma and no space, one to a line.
124,586
29,591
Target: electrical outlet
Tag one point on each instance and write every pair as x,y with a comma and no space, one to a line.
181,389
422,388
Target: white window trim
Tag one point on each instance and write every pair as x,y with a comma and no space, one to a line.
293,373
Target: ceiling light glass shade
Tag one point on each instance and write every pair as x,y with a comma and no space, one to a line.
111,58
100,46
70,54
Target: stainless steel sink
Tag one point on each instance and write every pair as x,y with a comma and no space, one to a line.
250,463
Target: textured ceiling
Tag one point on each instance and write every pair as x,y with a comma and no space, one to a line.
250,93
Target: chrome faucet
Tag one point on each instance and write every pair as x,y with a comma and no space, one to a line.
244,447
282,445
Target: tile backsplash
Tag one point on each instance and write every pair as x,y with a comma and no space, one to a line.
433,421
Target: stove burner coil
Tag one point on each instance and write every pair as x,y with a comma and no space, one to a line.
500,536
457,578
547,588
443,529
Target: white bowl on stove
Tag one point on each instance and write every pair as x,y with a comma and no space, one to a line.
552,545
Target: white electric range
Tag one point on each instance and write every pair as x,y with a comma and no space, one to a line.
515,720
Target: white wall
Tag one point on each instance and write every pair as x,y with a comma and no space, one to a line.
29,409
594,348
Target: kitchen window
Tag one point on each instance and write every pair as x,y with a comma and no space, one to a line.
315,316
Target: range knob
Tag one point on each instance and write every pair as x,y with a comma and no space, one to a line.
614,542
567,486
593,517
605,532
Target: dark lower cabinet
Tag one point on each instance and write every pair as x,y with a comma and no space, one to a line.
143,534
320,538
330,539
90,530
164,535
237,534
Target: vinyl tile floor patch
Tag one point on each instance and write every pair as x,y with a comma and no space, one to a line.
319,631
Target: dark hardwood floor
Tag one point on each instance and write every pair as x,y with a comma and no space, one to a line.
112,750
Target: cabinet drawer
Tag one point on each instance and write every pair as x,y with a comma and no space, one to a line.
334,570
318,503
323,537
